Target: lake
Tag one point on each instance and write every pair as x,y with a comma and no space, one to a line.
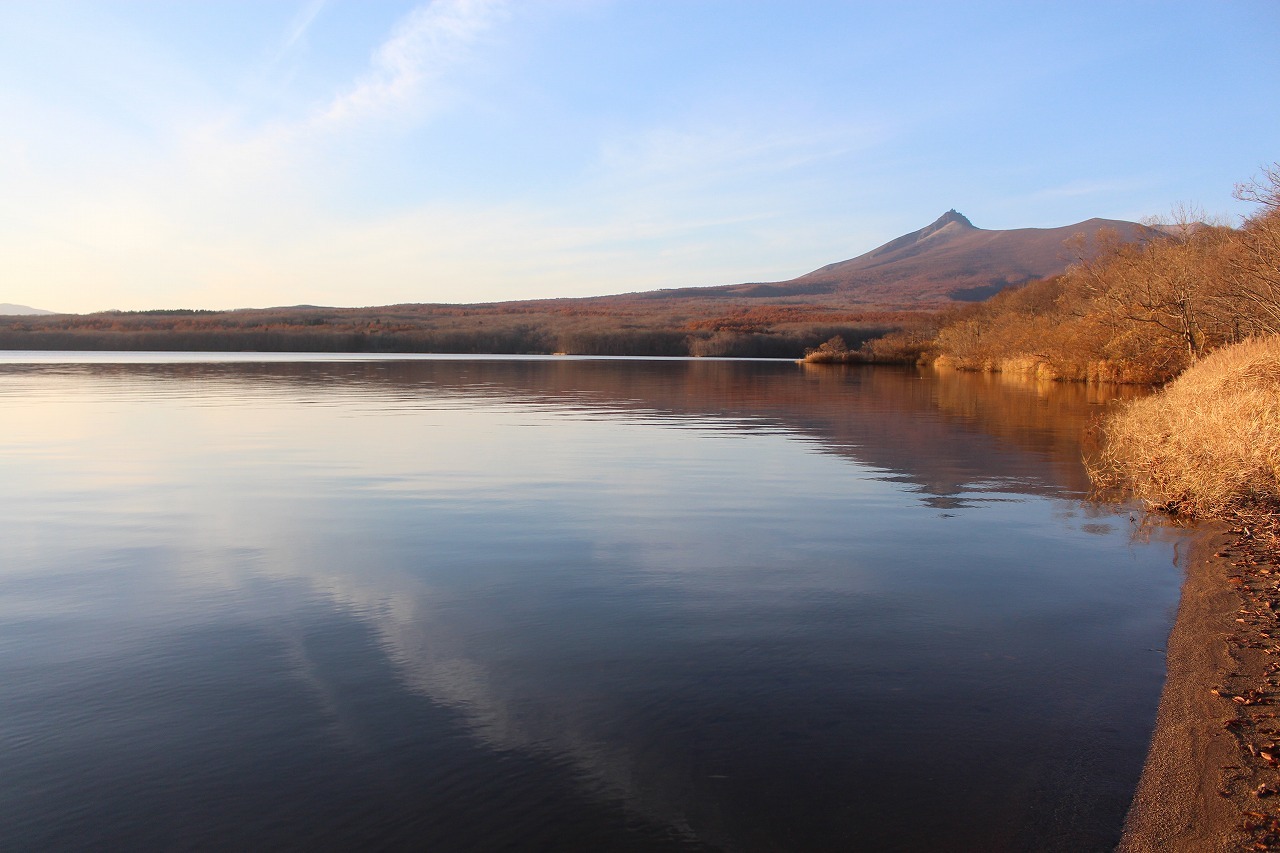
314,602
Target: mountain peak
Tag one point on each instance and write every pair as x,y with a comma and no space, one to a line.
951,216
951,260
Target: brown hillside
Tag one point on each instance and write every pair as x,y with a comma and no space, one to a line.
945,262
951,260
893,288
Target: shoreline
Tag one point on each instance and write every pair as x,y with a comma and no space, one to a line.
1211,780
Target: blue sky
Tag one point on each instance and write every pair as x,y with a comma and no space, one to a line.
235,154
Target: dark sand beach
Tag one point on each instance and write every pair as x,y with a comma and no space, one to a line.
1211,781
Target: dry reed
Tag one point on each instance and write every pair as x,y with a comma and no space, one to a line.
1208,444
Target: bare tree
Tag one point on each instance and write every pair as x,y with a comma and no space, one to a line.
1253,267
1264,189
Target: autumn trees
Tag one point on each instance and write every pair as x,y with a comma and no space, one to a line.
1136,311
1253,266
535,327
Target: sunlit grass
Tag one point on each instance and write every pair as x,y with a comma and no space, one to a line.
1208,444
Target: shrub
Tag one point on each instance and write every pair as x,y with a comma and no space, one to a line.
1208,444
832,351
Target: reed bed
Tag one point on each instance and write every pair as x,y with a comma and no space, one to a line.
1208,444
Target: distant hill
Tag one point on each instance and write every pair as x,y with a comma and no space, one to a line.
893,287
946,262
949,260
952,259
9,308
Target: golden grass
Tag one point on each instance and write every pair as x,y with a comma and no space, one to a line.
1055,369
1208,444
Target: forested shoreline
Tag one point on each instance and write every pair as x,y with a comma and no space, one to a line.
724,328
1139,312
1197,308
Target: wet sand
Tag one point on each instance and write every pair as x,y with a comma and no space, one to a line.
1211,781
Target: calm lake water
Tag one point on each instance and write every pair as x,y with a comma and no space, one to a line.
559,604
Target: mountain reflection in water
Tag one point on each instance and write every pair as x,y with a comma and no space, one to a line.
565,604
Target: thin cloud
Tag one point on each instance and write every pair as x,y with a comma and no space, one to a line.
707,152
423,45
300,24
407,72
1080,189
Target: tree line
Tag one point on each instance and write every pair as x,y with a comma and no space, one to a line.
1134,312
656,329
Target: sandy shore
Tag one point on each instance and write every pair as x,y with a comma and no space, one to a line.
1211,781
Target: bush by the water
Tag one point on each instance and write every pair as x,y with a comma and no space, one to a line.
908,345
1208,444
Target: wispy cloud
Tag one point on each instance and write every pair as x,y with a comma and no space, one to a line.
298,27
733,148
426,42
1080,189
408,75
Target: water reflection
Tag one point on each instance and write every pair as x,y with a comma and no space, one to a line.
942,437
540,603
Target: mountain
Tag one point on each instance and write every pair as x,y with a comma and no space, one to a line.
10,309
949,260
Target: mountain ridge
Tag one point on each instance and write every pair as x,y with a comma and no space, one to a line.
13,310
946,262
951,259
894,286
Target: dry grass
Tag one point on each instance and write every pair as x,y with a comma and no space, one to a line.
1208,444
